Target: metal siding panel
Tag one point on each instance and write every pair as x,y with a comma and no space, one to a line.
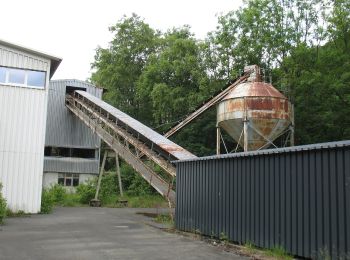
283,203
326,201
334,211
239,205
299,203
256,239
235,203
306,225
319,201
312,222
347,197
243,199
276,210
63,128
339,178
22,127
230,199
293,192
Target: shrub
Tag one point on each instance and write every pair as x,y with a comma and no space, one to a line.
3,207
86,191
109,187
47,201
58,193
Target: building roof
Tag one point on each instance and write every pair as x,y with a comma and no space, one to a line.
55,61
345,143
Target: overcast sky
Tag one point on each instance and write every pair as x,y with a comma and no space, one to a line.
72,29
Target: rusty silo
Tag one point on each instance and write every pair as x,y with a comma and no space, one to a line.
254,113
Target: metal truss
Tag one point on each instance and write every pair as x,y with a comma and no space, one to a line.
142,157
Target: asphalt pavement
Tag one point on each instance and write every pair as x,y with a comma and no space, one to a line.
98,233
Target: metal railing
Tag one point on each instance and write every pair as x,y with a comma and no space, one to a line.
126,144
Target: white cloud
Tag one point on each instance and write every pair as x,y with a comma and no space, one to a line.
73,29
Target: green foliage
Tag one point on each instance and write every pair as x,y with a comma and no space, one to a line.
133,183
3,206
59,194
86,191
278,252
47,201
223,237
11,214
160,77
146,201
166,219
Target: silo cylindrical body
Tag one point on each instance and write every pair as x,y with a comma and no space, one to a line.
254,114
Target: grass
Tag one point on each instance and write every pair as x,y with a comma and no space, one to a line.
278,252
20,213
164,219
145,201
71,200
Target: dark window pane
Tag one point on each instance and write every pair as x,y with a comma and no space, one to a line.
36,79
47,151
83,153
2,75
69,182
61,181
75,181
16,76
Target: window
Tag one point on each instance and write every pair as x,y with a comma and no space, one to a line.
36,78
68,179
16,76
2,75
70,152
22,78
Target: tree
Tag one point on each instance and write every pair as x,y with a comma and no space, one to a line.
170,83
119,66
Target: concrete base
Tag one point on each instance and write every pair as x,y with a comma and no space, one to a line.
95,203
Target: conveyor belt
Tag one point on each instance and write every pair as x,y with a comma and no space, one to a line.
137,144
207,104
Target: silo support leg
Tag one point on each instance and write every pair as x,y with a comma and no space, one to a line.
218,140
245,135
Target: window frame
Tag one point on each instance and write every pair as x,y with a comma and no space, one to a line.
68,176
25,85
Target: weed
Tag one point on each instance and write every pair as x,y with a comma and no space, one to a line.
3,206
197,232
223,237
11,214
164,219
278,252
47,201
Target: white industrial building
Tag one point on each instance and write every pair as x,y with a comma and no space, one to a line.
41,142
24,81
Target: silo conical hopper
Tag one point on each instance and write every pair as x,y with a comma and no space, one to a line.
254,113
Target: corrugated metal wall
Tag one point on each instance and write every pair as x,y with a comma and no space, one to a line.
63,128
22,134
71,165
297,198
